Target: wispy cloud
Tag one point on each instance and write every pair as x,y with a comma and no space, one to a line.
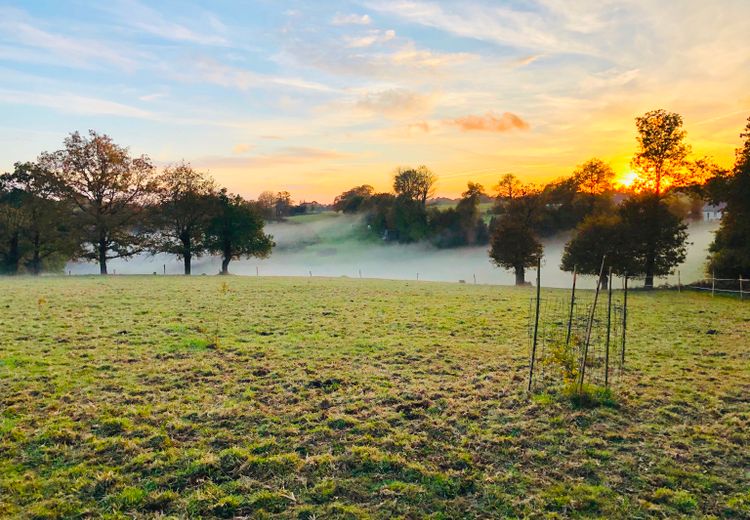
490,122
284,156
23,30
72,103
149,20
396,103
351,19
373,37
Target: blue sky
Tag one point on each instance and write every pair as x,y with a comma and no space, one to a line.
315,97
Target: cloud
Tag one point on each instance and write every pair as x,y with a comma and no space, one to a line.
146,19
396,102
490,122
523,28
242,148
71,103
527,60
375,36
351,19
284,156
58,49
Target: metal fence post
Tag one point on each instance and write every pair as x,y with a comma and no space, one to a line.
582,371
713,283
609,329
572,305
536,320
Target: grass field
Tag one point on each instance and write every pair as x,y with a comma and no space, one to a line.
153,397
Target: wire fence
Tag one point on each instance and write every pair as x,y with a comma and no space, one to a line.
577,340
739,286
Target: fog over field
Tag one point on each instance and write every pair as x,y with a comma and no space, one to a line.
332,245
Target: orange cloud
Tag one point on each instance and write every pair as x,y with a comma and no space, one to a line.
490,122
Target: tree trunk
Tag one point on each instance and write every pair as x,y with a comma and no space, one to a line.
649,283
36,260
14,255
187,251
225,264
520,275
604,282
102,257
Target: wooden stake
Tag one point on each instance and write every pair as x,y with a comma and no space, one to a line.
572,305
741,294
624,318
679,282
713,283
582,371
609,328
536,320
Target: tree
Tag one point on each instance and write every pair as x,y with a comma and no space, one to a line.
513,245
508,187
13,221
730,250
236,230
47,234
654,240
473,227
282,204
267,205
661,154
111,190
599,235
353,200
594,177
183,211
415,184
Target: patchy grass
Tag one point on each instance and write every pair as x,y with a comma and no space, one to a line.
145,397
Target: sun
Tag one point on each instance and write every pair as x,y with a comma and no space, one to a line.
627,179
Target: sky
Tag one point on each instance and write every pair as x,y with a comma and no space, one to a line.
317,97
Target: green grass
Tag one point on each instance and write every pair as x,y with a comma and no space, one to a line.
337,398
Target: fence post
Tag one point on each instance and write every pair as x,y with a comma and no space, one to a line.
417,276
609,328
624,318
679,282
741,293
713,283
475,278
572,306
360,273
536,319
582,371
257,271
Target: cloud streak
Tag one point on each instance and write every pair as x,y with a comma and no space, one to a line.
490,122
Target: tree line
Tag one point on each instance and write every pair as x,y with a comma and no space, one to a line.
642,235
93,200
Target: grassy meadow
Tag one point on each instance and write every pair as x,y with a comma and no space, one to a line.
157,397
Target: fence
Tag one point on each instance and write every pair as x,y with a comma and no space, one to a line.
728,286
577,339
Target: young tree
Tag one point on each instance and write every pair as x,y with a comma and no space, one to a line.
730,250
182,212
48,233
236,230
415,184
111,190
283,204
513,245
594,177
353,200
660,159
473,227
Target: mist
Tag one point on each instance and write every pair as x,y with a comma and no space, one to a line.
332,246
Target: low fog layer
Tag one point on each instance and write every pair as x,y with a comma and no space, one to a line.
328,246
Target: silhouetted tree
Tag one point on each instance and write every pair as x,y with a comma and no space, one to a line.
654,239
353,200
111,190
513,245
730,250
416,184
236,230
598,235
184,208
283,204
660,159
508,187
13,221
